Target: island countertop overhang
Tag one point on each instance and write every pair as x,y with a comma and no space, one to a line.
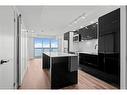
59,54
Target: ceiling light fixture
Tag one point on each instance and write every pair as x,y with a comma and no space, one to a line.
32,31
83,17
81,26
75,22
78,18
91,22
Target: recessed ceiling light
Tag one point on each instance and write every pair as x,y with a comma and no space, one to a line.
81,26
91,22
32,31
75,22
83,17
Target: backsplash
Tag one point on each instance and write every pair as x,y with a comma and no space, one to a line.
87,46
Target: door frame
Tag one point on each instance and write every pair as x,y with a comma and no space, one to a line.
123,47
17,49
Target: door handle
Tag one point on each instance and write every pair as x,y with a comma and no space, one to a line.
4,61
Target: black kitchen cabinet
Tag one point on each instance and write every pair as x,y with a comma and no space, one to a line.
75,32
112,65
89,32
109,44
117,42
92,31
107,65
106,44
109,23
66,36
88,59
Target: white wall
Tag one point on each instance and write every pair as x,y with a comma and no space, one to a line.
24,60
60,46
71,46
30,48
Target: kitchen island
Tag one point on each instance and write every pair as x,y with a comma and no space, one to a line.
63,68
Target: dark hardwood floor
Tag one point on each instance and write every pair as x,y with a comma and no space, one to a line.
37,78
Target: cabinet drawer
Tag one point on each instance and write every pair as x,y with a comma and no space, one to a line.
88,59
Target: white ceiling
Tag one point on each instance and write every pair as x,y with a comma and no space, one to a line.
54,20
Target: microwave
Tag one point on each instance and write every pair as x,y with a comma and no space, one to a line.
76,38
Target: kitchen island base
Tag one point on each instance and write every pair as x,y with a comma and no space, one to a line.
60,73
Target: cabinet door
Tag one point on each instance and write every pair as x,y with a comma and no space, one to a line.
92,31
101,61
112,63
101,47
110,67
83,33
66,36
117,42
109,43
109,22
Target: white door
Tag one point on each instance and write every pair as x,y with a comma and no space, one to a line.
6,47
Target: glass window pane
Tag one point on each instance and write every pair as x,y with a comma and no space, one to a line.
38,52
54,43
54,50
46,43
38,43
46,49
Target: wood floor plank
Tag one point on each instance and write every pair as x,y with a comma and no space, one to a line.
37,78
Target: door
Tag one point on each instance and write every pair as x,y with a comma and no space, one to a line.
7,47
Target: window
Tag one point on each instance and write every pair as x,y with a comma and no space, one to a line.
54,45
38,43
37,47
45,45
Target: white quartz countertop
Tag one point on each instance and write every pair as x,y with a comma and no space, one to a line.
92,53
59,54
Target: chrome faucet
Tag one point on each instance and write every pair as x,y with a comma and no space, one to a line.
95,46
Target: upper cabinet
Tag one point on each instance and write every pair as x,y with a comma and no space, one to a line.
109,32
89,32
86,33
109,23
66,36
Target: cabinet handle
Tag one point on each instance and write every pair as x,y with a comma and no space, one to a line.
4,61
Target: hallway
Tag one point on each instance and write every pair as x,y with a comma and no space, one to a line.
36,78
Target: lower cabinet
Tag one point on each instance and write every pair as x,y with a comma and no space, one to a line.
88,59
103,66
